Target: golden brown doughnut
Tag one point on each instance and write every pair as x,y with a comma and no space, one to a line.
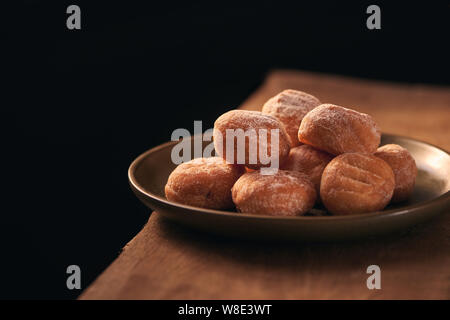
338,130
203,182
356,183
290,106
309,161
404,167
246,121
286,193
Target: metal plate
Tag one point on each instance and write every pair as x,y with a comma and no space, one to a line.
149,172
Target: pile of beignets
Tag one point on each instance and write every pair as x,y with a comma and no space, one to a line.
327,155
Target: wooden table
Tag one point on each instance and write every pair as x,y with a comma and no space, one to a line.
167,261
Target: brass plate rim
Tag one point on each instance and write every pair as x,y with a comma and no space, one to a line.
408,209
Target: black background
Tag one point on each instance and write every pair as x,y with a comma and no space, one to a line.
82,104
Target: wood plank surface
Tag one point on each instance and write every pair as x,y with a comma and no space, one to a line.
168,261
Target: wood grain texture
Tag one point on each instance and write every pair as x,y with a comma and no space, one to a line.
168,261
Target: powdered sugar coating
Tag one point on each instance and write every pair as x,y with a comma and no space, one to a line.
290,106
404,167
245,120
286,193
356,183
203,182
338,130
309,161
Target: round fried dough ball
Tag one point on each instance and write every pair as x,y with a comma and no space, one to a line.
285,193
309,161
338,130
203,182
290,106
356,183
404,167
247,132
